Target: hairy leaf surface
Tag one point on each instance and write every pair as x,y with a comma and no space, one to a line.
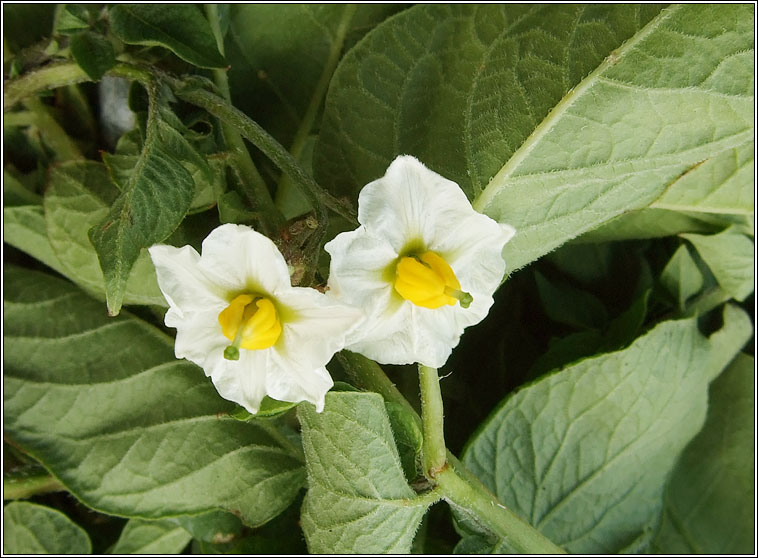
78,196
584,453
554,119
358,500
127,428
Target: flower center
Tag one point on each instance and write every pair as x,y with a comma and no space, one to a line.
249,322
427,280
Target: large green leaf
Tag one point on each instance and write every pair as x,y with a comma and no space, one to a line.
78,196
584,454
709,502
33,529
278,54
358,500
127,428
142,536
553,118
180,28
24,228
152,204
730,255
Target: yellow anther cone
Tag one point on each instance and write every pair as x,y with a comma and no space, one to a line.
428,281
250,322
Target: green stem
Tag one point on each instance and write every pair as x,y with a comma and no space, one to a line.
253,132
434,450
479,502
26,487
50,77
259,196
62,145
456,483
367,374
20,118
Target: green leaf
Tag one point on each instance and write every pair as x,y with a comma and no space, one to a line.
129,430
93,52
215,527
78,196
281,535
181,28
152,204
681,276
266,46
408,438
730,257
15,192
584,454
709,503
571,306
141,536
24,228
33,529
552,118
25,24
358,500
72,18
720,184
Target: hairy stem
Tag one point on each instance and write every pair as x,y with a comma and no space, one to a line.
253,132
477,501
434,450
459,486
49,77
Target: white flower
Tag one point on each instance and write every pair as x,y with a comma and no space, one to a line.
237,316
423,265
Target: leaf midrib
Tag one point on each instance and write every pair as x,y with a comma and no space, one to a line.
544,127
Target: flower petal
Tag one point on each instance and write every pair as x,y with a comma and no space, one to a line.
199,338
237,258
292,384
318,329
414,208
243,381
185,286
358,269
410,203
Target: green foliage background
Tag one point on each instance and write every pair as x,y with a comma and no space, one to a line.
608,397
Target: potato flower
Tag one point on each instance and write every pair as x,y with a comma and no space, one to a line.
423,265
238,317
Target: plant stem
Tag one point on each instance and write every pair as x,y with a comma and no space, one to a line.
260,198
368,375
459,486
479,502
434,450
69,73
62,145
252,131
26,487
50,77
